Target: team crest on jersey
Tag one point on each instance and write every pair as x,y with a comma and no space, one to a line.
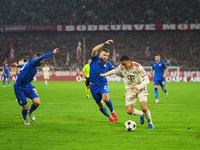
159,64
104,65
134,72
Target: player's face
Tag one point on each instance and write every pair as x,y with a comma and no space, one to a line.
157,58
6,65
104,56
89,61
126,63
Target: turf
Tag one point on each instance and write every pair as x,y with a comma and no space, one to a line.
66,120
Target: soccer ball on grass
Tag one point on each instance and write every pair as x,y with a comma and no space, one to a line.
130,125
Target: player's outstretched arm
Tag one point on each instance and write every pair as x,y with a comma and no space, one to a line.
100,46
109,73
18,66
45,56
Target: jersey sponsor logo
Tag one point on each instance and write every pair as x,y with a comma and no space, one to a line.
130,78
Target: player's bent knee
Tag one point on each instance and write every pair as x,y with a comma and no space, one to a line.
25,107
36,101
144,109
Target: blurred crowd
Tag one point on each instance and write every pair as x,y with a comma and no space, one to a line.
177,48
52,12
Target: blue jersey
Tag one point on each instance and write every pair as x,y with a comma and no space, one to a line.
29,70
159,69
96,68
6,70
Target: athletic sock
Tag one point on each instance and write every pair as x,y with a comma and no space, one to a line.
87,92
156,92
104,111
165,90
46,82
148,116
110,105
24,114
33,107
3,82
9,83
137,112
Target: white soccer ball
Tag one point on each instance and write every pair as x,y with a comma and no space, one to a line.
130,125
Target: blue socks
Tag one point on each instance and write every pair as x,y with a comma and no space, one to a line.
24,114
9,83
110,105
165,90
156,92
33,107
3,82
104,111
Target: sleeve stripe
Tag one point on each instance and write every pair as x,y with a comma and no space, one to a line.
144,75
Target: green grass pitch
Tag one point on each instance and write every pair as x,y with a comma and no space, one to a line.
66,120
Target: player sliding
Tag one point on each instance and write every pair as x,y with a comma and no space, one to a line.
98,85
23,87
135,79
160,73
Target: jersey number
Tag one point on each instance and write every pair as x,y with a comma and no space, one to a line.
23,67
106,88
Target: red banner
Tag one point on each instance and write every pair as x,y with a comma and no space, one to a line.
128,27
12,52
108,27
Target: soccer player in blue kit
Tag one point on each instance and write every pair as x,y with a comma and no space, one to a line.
160,73
23,87
98,85
6,75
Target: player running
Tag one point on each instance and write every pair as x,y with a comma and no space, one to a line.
98,85
6,73
135,80
45,71
23,87
86,76
160,73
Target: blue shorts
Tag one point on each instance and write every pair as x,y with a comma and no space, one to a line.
97,91
159,82
22,92
7,76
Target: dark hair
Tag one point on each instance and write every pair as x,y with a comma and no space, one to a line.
38,54
105,50
157,55
124,57
25,58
